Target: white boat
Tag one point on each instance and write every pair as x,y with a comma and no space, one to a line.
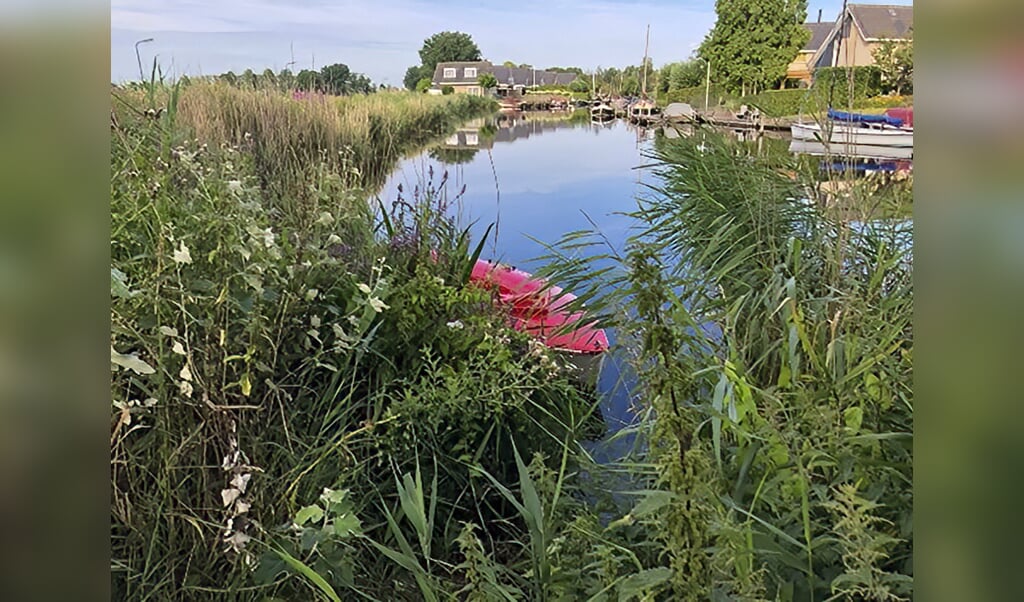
861,151
602,111
858,133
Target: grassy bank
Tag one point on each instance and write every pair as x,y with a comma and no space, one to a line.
267,350
309,403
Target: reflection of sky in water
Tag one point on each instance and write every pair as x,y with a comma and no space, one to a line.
547,185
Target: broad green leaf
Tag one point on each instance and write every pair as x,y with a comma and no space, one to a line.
130,362
653,501
309,513
119,284
347,524
643,581
853,417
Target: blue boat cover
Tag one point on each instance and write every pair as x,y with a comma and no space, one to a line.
861,118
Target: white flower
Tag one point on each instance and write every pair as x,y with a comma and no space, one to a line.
177,348
378,305
325,218
182,254
315,321
228,496
456,325
185,388
234,186
268,237
186,373
365,288
333,239
241,481
311,294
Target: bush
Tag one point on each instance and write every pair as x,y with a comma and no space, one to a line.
695,95
867,81
779,103
446,90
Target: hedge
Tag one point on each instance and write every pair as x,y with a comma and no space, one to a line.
867,81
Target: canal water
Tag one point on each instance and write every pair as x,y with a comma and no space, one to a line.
536,177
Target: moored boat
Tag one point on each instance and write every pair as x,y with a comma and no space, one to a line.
643,111
602,111
855,128
543,311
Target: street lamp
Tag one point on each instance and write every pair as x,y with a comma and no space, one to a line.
707,81
139,58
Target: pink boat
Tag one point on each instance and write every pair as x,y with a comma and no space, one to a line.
539,309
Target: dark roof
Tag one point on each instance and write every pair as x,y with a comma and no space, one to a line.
481,67
880,21
511,76
819,32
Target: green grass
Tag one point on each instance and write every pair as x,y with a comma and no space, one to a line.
309,403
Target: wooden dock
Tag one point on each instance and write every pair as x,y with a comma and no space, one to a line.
726,120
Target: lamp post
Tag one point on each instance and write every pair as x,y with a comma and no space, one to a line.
707,82
142,77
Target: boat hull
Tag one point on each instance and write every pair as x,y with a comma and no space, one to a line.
859,151
844,134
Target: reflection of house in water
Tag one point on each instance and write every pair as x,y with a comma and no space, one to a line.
484,133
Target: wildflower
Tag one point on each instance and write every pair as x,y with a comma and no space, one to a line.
378,305
364,288
182,254
311,294
456,325
314,321
178,348
234,186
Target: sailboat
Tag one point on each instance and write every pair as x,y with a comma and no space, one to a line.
644,110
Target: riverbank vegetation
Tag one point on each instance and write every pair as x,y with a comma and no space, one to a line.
310,403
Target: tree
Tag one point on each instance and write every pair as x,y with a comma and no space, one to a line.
753,41
423,85
580,85
413,75
307,80
487,81
268,78
509,64
895,60
447,46
248,79
286,80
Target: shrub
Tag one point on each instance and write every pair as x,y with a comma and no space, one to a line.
446,90
779,103
834,81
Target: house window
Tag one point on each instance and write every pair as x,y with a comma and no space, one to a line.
474,91
471,139
469,72
449,72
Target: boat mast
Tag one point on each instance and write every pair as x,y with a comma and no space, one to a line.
647,43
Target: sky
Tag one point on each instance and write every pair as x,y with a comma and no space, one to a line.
382,38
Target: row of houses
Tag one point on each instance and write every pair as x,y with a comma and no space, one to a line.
851,39
462,77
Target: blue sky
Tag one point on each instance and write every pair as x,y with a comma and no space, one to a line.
382,38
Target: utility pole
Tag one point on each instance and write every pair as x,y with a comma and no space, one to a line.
647,43
138,58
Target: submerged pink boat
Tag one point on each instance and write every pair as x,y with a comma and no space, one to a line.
540,309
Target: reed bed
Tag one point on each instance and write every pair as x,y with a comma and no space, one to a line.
309,403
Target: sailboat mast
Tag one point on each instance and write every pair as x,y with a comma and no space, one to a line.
647,43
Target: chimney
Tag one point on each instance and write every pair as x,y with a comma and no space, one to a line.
819,15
